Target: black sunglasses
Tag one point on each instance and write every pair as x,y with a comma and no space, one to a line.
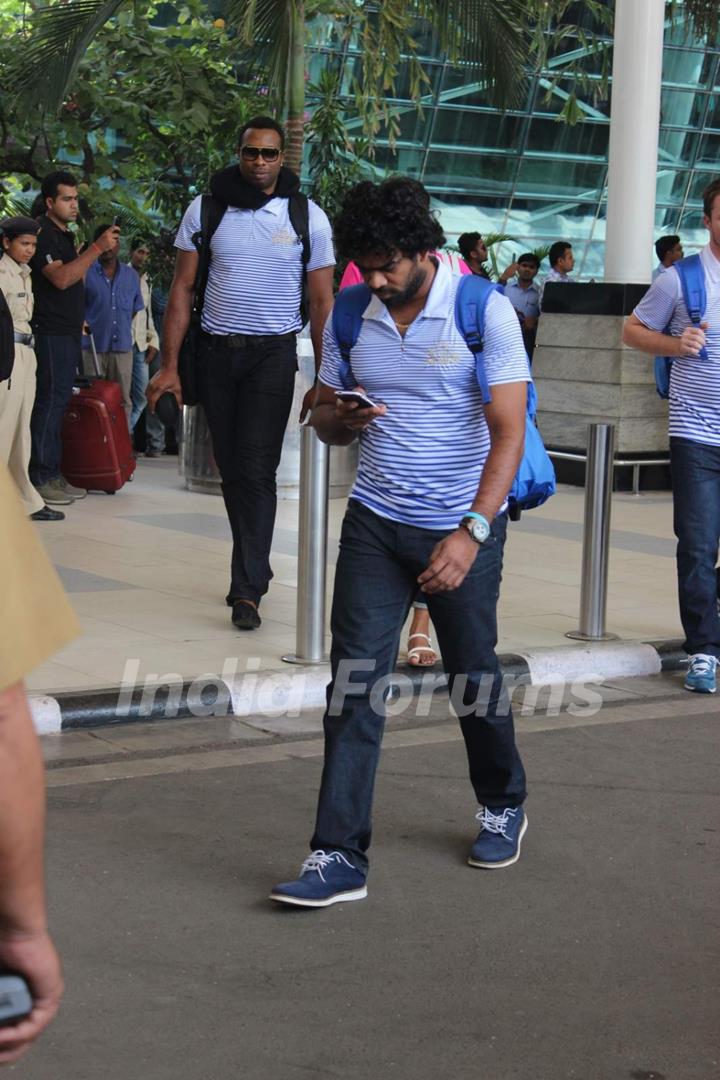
252,153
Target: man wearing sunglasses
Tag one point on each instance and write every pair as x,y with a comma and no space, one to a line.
268,240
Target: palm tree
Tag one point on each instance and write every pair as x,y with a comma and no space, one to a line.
482,34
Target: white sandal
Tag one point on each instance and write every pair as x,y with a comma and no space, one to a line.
418,649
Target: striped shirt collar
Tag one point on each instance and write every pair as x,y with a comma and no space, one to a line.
438,305
710,264
273,207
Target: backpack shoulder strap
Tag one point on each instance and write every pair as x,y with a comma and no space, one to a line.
347,316
692,280
473,293
211,214
299,211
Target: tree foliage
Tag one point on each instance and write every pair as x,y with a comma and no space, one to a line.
153,112
334,159
74,72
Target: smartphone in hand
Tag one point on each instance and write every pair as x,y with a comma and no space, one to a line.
15,999
361,400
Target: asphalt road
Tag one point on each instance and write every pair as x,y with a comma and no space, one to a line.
596,956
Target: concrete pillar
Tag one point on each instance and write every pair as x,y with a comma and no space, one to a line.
634,129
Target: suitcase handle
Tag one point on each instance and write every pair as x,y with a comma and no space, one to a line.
96,364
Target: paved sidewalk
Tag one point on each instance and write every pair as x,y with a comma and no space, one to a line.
147,571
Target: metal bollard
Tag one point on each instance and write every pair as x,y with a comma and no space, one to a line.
312,550
596,534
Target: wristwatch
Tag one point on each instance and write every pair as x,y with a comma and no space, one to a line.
477,525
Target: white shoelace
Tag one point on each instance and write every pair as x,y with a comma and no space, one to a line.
495,823
702,664
320,860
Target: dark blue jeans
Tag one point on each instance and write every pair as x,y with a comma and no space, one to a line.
58,357
696,511
375,583
247,394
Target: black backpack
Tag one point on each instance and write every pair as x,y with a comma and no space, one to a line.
7,340
211,214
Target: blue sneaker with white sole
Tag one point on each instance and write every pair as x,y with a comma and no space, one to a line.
326,877
700,674
498,842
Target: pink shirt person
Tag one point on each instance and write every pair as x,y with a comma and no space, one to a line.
455,264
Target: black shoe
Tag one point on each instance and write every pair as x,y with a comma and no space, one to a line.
245,615
46,514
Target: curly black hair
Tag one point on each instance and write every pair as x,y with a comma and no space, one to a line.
381,219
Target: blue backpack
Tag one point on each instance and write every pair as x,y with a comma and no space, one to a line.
535,479
692,279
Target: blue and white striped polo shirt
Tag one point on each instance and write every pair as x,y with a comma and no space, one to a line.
694,383
255,280
421,463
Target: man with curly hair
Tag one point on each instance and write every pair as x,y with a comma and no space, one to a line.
428,508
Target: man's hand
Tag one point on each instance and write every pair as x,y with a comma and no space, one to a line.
449,562
354,416
150,354
692,339
33,956
307,403
109,240
508,272
165,379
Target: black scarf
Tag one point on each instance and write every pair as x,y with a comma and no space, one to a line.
229,188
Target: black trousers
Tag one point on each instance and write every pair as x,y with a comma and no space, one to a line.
247,394
58,358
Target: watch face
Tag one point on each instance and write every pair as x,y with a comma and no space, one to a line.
479,530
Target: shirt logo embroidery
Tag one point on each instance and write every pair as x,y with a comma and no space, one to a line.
443,354
284,237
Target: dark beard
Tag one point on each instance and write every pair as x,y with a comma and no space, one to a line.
415,283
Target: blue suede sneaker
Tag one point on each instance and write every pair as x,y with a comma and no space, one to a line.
498,842
700,675
326,877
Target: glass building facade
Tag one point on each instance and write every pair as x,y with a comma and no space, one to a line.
528,174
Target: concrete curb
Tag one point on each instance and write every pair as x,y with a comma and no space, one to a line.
289,693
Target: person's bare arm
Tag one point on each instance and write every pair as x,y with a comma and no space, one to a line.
175,327
25,946
452,558
508,272
505,416
638,336
320,301
63,275
336,422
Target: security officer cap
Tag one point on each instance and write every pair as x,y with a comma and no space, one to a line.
19,226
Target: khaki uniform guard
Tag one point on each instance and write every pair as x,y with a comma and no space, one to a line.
17,395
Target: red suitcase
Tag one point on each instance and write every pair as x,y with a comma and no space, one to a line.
97,452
